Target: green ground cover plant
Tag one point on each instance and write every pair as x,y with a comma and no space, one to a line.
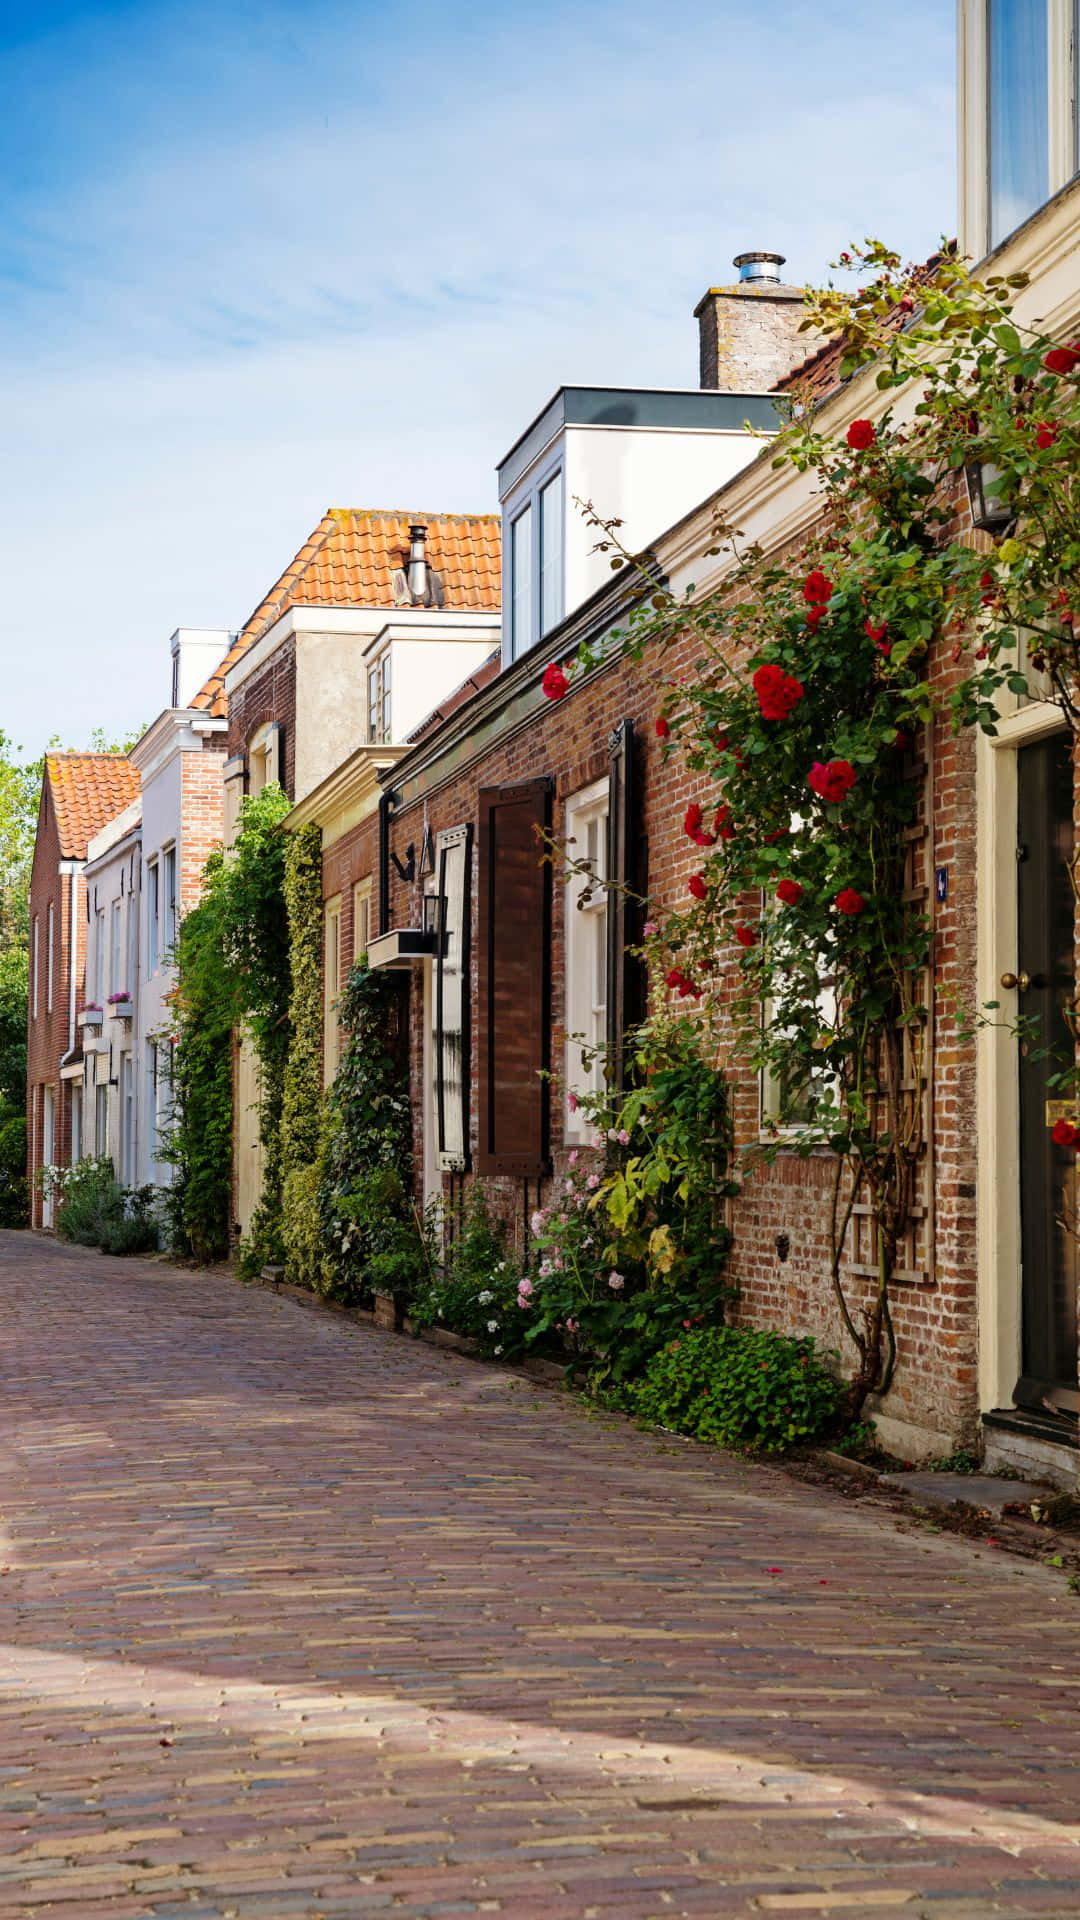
759,1392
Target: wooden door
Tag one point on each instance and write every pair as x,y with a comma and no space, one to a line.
1046,986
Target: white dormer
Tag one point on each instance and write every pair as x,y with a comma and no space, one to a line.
644,456
1018,121
196,651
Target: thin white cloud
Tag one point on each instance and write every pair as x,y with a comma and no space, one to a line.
288,257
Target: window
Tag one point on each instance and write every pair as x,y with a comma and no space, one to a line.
127,1122
36,965
115,948
168,900
378,701
99,957
586,945
331,989
50,937
101,1121
386,730
361,919
153,917
1019,140
521,622
453,867
76,1124
131,970
551,554
264,757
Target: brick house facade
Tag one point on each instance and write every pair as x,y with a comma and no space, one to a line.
80,793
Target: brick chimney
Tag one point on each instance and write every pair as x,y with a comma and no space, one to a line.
750,332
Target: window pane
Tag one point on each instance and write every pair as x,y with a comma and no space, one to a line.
373,703
1019,135
551,553
521,583
386,698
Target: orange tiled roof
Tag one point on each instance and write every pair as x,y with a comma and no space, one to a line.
819,373
88,790
349,561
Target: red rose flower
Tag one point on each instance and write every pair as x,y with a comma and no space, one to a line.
662,728
789,892
901,741
848,901
831,781
675,978
861,435
692,826
778,833
814,616
1063,1134
722,824
777,692
816,589
696,884
876,634
1063,359
555,682
721,743
1045,434
745,936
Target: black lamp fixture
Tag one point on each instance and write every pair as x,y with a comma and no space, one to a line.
989,512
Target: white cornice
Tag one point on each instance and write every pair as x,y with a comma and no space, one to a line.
365,622
346,796
171,733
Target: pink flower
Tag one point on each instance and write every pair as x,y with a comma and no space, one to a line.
573,1158
616,1282
649,929
572,1101
624,1137
525,1286
555,682
593,1182
571,1326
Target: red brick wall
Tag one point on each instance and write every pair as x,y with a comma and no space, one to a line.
202,818
267,695
935,1321
48,1034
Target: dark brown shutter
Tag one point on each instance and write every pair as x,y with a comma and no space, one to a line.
624,983
514,880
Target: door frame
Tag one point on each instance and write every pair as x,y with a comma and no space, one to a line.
997,1075
48,1147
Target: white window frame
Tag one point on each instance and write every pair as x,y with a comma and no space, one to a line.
153,916
116,944
523,622
380,700
263,758
168,900
99,956
361,920
586,951
1063,113
551,553
36,969
331,988
50,941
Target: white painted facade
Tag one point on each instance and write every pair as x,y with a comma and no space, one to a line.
110,1121
159,758
640,456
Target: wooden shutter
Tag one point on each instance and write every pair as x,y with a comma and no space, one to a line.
625,999
514,979
453,862
234,774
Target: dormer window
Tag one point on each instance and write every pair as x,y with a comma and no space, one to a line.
379,701
1018,113
537,599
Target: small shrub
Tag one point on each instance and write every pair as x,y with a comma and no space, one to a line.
137,1229
475,1291
761,1392
89,1201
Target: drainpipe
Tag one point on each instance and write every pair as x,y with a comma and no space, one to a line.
385,803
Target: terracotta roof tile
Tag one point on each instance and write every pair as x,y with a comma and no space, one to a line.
349,561
88,790
819,373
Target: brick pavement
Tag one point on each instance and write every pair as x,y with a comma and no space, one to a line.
301,1619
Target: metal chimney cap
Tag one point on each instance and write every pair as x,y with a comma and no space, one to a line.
759,266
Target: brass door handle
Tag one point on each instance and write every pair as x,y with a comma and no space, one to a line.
1021,981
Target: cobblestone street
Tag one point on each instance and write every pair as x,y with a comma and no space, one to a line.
300,1619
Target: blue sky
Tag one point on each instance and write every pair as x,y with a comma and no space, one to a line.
256,260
